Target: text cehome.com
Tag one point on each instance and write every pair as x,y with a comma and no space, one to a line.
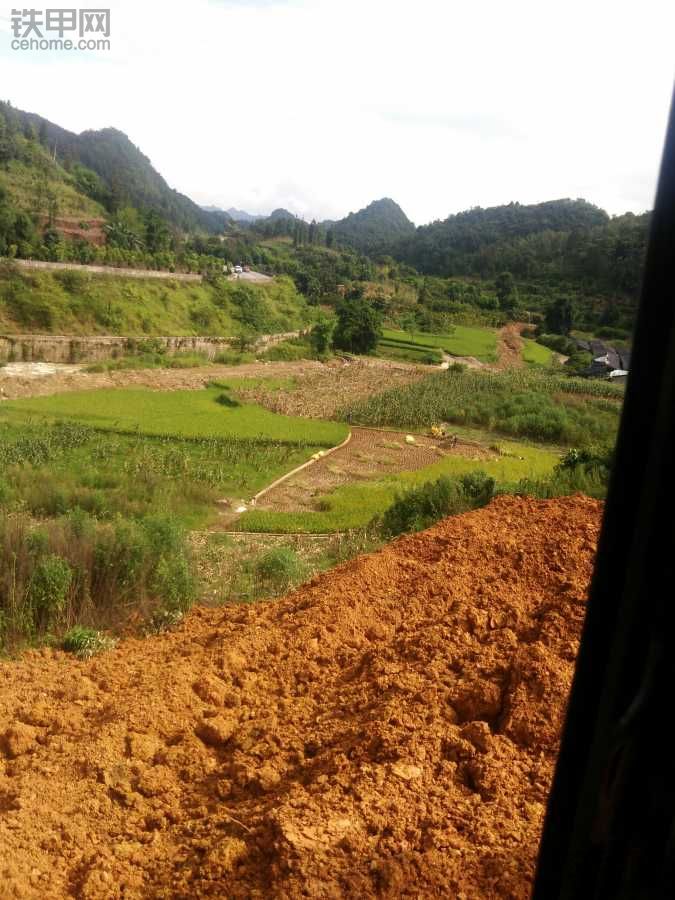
58,44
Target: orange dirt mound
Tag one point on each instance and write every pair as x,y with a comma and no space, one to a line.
387,730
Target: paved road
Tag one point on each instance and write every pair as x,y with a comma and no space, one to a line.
121,272
256,277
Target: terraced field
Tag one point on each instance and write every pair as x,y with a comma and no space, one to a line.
480,343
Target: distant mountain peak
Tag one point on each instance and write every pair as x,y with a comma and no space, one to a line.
281,213
375,226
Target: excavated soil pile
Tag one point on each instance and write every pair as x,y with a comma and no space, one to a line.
389,730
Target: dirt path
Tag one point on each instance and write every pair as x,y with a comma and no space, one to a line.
510,346
319,389
470,361
389,730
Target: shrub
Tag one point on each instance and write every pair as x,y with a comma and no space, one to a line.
48,589
321,335
72,280
359,326
288,351
421,506
280,569
225,400
591,459
173,583
478,486
86,642
558,342
6,493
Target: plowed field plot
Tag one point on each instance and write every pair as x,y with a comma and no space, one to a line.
370,454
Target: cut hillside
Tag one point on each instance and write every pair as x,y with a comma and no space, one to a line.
388,730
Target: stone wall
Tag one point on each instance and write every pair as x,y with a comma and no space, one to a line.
70,349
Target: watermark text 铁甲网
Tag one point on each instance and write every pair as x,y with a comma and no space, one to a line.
60,29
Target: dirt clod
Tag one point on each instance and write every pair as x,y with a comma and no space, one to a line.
410,758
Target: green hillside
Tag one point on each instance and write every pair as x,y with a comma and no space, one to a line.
72,302
127,175
37,185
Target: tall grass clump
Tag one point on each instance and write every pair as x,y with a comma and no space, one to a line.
578,472
269,574
78,570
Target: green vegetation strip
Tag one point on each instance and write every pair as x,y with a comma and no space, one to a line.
80,303
179,414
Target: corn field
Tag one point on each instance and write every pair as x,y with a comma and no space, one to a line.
522,403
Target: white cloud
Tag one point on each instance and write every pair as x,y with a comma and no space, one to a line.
323,106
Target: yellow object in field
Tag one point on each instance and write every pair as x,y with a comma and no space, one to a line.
409,439
437,431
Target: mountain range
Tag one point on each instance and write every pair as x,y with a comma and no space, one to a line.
78,184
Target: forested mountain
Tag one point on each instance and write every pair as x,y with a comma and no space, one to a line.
281,213
127,175
557,241
451,246
240,215
374,228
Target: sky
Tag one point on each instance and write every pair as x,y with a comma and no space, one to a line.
321,106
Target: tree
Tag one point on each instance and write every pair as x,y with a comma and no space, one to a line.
359,326
559,316
507,293
408,323
157,235
321,335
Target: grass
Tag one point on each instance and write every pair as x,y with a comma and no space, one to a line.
464,341
129,453
78,303
536,354
525,404
354,506
176,414
110,475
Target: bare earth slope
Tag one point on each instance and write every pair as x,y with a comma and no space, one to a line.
388,730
